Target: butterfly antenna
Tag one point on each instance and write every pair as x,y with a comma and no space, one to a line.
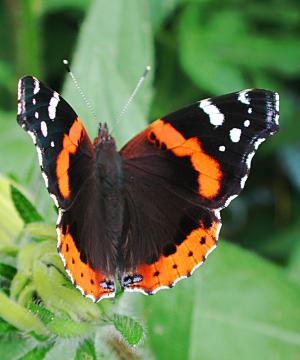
88,104
131,97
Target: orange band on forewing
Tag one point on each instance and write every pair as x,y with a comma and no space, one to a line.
70,144
210,175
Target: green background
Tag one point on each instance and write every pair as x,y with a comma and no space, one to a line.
244,303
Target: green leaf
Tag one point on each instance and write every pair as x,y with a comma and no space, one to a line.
160,10
204,55
58,5
6,76
63,349
86,351
37,353
17,147
19,317
25,208
130,329
117,56
7,271
235,307
10,222
41,231
294,263
289,156
43,314
62,327
223,63
14,346
5,327
27,35
56,295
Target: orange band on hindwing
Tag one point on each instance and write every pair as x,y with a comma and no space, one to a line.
82,275
168,269
210,175
70,144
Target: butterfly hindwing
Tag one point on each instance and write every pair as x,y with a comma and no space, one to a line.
180,172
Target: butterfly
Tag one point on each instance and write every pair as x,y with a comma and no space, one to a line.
148,215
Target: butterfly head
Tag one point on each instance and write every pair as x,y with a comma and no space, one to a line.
104,137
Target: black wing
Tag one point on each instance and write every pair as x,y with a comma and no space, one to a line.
67,162
180,172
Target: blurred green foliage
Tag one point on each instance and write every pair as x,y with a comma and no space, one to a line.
242,304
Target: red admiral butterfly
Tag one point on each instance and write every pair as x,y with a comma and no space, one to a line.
149,214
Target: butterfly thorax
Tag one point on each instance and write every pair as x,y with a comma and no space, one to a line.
110,184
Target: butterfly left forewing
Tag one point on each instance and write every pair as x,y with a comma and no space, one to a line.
61,141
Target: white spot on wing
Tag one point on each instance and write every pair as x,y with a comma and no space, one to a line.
249,159
277,102
243,97
40,156
36,88
33,101
59,217
235,135
218,216
109,295
80,289
258,142
62,258
54,198
277,108
33,137
216,118
53,105
36,115
44,129
228,201
45,179
90,297
52,144
222,148
19,90
70,275
243,181
250,111
246,123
